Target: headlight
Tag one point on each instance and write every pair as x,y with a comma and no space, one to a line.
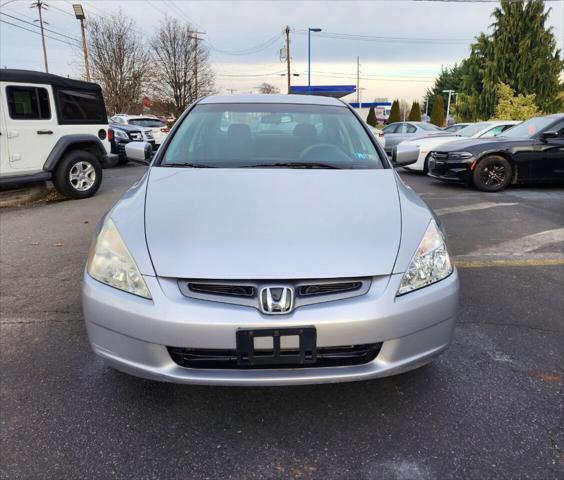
111,263
430,263
459,155
120,134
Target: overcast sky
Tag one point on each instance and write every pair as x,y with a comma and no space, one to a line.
417,37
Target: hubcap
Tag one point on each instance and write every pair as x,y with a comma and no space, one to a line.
494,174
82,176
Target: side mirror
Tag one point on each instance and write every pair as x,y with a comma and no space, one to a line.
140,152
402,156
548,135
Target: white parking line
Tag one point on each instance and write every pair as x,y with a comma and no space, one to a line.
524,244
469,208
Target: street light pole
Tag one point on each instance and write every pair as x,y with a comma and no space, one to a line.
79,14
309,30
450,92
288,57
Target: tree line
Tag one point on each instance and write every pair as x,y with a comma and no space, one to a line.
172,68
514,72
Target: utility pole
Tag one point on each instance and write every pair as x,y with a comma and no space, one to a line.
196,40
42,6
358,81
450,92
288,58
79,14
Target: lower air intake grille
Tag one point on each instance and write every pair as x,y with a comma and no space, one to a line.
227,359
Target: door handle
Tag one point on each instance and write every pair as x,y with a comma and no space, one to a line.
44,132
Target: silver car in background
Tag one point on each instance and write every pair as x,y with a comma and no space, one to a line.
269,243
400,131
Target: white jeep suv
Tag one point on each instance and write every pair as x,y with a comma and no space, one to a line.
52,128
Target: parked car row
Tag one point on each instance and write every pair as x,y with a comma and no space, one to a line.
491,155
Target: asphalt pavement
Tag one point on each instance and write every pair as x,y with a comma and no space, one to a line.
491,407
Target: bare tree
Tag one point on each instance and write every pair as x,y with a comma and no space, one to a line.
119,60
181,67
268,88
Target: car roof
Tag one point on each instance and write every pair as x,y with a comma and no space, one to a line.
272,98
31,76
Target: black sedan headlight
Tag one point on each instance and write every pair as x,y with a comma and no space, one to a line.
459,155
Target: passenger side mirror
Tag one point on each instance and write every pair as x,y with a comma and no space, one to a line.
401,157
140,152
544,136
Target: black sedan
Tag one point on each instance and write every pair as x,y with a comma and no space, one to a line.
531,152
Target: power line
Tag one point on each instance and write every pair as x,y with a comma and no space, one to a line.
37,33
251,50
37,26
373,38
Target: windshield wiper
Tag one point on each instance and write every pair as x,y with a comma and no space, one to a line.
188,165
293,165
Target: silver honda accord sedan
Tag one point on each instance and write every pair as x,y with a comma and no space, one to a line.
270,242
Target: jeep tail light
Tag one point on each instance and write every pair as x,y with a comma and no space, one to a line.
110,135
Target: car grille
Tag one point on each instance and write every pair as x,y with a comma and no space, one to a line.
246,293
227,359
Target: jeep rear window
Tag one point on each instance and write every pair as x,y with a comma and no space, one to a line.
28,103
79,106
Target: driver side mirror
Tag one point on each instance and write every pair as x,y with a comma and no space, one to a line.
140,152
544,136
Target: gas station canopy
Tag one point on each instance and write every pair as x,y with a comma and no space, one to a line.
335,91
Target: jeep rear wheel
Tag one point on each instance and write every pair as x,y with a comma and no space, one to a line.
78,175
492,174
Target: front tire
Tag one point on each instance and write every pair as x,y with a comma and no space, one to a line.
78,175
492,174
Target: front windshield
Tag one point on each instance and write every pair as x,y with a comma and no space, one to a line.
429,127
473,129
529,128
271,135
146,122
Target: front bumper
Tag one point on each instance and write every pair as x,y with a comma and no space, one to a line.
132,334
451,171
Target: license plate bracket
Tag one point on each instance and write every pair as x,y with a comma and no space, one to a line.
248,356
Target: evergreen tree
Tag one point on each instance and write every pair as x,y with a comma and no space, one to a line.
395,115
514,107
448,79
438,114
521,53
415,112
371,118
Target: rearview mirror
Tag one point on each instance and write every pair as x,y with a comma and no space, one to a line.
140,152
401,156
549,134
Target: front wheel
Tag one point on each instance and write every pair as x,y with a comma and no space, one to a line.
492,174
78,175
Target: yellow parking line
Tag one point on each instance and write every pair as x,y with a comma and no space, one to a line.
509,262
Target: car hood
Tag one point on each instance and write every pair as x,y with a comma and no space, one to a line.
470,144
272,223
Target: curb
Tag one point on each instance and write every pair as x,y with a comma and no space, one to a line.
19,197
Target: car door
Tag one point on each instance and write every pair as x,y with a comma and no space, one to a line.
391,135
31,125
554,154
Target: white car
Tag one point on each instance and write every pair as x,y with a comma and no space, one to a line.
421,147
157,127
379,134
52,128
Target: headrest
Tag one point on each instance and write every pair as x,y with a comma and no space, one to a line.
305,130
239,130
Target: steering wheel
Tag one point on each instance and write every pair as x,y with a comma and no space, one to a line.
320,151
